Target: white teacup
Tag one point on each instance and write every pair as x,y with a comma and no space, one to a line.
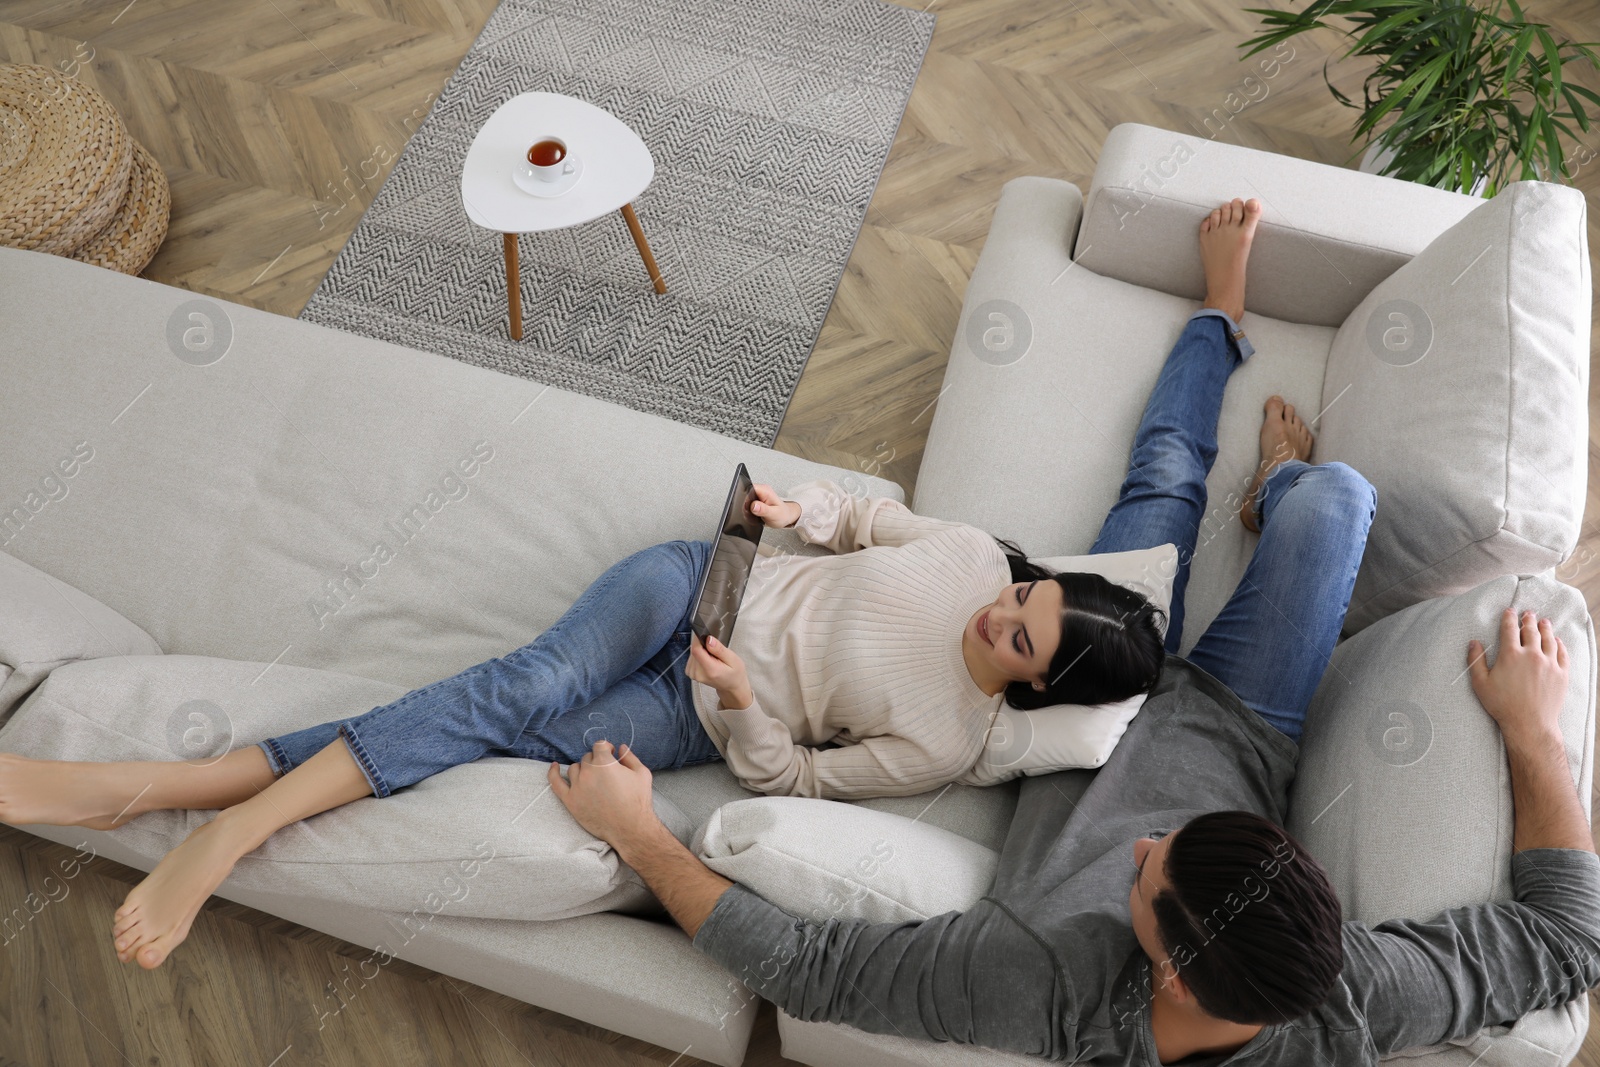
551,172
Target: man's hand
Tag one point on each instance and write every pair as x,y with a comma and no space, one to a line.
715,664
1524,694
609,796
1525,690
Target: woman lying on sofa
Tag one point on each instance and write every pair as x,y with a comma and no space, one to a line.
900,648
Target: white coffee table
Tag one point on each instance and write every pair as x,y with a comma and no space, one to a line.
616,168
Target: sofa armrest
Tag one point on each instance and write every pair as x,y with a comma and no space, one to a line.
1328,235
1036,221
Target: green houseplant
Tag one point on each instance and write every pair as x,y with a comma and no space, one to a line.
1473,91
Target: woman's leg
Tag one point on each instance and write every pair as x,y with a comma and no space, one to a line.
103,796
456,724
1163,497
157,914
625,616
651,711
620,622
1271,642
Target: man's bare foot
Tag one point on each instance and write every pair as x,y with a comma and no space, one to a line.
57,793
1225,237
1283,437
157,915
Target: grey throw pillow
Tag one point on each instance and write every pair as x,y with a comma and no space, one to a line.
1459,388
44,622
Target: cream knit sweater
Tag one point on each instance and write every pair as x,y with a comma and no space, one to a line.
862,649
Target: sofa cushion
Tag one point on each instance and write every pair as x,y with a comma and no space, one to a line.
1459,388
44,623
820,860
1065,736
1402,791
484,839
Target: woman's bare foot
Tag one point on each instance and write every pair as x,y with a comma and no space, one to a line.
1283,437
100,796
1225,237
157,915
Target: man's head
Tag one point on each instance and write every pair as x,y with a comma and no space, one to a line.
1237,917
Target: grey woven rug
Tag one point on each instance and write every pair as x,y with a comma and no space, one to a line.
769,121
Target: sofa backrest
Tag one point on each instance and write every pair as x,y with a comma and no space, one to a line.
1327,235
302,495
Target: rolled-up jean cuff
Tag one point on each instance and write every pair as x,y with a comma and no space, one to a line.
1246,349
276,759
380,788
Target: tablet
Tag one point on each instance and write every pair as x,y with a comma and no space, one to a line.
716,606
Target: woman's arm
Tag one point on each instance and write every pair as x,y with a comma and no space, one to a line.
764,757
843,522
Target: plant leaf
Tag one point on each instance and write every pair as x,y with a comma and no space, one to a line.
1552,56
1518,52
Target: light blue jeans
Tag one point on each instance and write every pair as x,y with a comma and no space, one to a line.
1271,641
611,668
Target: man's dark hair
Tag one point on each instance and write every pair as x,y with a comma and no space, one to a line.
1250,921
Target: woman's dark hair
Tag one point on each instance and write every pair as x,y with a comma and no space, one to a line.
1250,921
1112,639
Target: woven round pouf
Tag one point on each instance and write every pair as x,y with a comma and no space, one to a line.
65,160
129,241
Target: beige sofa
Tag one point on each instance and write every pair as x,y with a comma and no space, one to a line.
209,572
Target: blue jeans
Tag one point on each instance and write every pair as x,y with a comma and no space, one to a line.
1271,641
611,668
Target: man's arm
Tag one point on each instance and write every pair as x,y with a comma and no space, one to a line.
689,889
1427,981
975,976
1524,695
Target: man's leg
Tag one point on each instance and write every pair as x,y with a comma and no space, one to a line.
1163,496
1271,642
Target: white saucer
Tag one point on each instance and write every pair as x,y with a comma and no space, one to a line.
535,187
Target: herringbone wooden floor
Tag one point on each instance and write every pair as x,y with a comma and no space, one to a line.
276,122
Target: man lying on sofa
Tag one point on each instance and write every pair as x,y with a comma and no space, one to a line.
1146,924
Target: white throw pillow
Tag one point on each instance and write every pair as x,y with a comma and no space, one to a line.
1065,736
823,859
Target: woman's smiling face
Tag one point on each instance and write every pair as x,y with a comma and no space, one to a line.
1017,635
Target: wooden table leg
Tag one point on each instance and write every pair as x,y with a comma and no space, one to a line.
513,285
644,248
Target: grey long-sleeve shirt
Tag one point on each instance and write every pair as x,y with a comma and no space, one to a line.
1047,963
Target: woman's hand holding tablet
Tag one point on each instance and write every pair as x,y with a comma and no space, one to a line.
773,510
